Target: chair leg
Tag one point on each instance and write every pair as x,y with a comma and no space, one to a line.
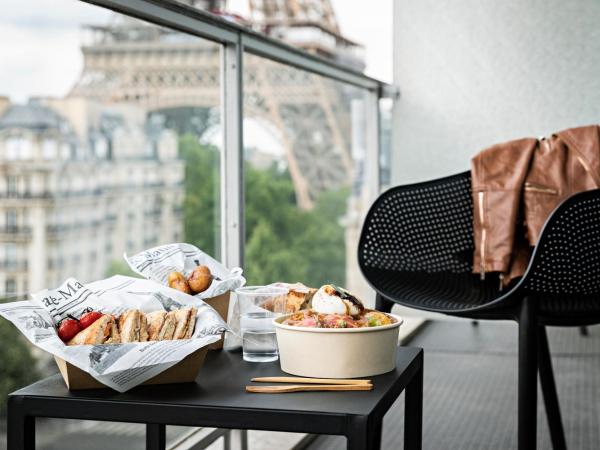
528,336
555,425
383,304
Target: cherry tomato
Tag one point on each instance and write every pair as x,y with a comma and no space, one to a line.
89,318
68,328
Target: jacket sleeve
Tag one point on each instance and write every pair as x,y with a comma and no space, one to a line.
498,174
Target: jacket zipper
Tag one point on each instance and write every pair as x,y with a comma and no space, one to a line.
539,188
483,237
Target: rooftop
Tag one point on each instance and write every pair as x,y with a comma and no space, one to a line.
32,115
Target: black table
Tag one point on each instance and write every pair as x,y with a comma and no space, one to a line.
219,400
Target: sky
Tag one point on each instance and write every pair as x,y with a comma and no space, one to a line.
40,53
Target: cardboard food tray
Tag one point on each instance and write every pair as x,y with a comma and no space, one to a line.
221,304
184,371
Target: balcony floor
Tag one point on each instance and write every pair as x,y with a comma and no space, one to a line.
470,392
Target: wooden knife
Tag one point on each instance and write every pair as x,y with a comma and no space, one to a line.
309,387
300,380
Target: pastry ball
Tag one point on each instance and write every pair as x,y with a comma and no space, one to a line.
200,279
177,281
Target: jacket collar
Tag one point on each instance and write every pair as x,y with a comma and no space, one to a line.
586,142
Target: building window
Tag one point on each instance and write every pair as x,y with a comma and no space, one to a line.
10,286
11,220
49,149
11,186
11,255
18,148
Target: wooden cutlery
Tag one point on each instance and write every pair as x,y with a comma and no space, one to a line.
308,384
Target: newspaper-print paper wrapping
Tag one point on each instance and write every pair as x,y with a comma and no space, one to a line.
157,263
119,366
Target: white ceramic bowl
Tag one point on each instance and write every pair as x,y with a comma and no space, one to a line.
337,352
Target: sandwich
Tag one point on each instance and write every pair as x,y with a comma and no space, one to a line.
191,323
133,326
143,328
156,321
186,319
102,331
115,336
168,327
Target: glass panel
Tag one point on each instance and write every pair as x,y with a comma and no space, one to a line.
132,113
385,143
109,143
305,187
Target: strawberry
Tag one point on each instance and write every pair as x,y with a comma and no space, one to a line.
89,318
68,328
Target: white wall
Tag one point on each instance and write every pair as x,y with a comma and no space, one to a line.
476,72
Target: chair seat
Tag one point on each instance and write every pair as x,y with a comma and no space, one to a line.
439,292
449,292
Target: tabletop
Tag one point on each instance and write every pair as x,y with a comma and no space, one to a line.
221,384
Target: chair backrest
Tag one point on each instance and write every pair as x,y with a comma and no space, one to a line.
566,259
424,227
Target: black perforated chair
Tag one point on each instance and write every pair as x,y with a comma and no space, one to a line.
416,249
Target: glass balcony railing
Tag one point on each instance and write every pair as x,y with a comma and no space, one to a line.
252,150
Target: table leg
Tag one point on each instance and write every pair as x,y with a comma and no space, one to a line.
364,434
235,440
413,412
20,427
156,436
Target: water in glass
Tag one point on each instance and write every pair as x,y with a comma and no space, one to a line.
260,342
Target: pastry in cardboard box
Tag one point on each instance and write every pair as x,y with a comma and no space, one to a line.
298,297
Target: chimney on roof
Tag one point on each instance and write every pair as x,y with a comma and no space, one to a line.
4,104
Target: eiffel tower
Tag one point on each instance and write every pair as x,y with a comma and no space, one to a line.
163,70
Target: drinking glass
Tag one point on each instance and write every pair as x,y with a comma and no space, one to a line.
259,305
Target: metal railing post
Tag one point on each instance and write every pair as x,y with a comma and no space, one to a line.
373,128
232,176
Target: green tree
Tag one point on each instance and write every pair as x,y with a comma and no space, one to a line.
201,219
18,365
117,267
283,242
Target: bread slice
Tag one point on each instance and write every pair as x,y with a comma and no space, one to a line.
143,327
114,336
191,323
129,326
183,318
155,321
168,327
96,333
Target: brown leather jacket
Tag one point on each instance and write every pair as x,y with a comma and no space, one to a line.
516,186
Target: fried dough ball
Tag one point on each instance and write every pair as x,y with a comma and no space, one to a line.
200,279
177,281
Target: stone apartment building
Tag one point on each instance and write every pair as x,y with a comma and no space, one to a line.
80,184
